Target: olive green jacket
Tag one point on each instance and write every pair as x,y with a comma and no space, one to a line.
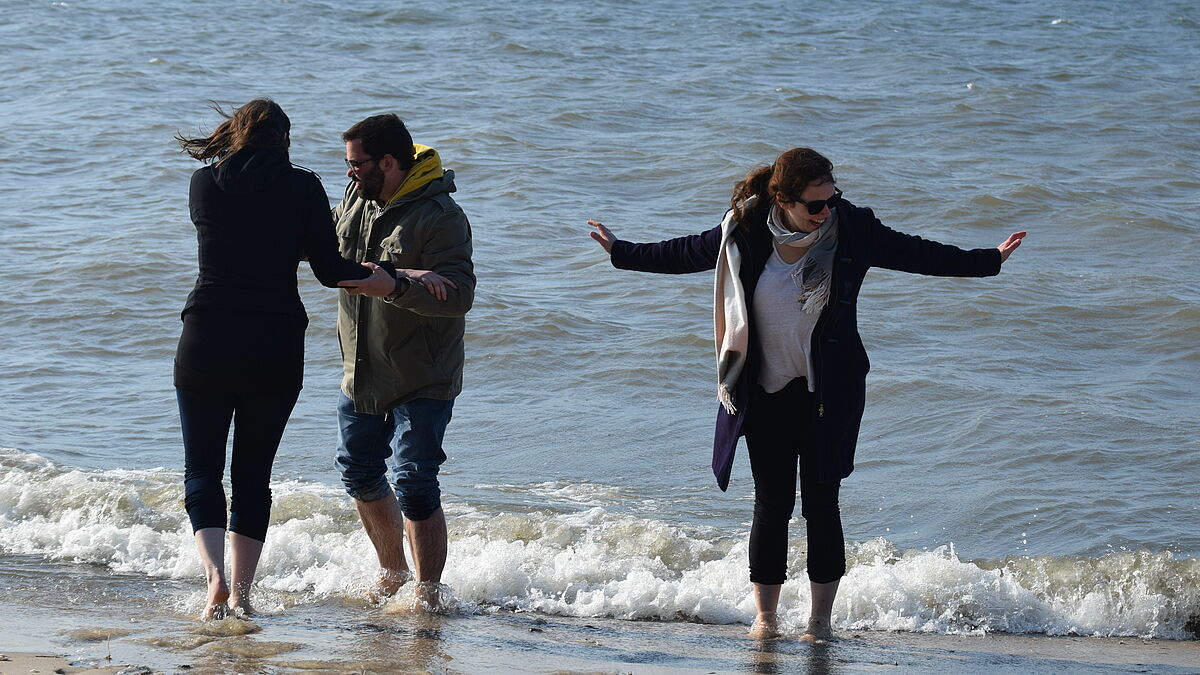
394,352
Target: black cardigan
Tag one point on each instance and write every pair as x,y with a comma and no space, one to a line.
839,360
256,216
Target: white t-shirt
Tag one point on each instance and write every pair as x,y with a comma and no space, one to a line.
784,330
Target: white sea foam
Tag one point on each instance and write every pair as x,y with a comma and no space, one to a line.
594,562
566,493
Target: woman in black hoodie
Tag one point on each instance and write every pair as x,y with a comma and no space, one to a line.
241,355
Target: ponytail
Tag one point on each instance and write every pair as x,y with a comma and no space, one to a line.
785,179
755,183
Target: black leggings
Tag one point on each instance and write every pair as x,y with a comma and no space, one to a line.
774,437
243,369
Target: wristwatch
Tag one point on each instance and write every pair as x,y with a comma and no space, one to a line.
402,284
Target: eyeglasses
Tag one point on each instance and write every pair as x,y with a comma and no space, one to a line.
356,164
818,205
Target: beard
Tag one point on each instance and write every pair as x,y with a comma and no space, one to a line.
370,184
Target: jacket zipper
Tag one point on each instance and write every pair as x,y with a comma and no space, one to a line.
819,331
817,354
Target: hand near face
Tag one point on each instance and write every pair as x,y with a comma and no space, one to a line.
1010,245
602,235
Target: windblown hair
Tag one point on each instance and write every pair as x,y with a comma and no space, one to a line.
261,123
792,171
383,135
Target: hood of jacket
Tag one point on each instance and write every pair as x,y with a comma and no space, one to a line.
425,179
250,170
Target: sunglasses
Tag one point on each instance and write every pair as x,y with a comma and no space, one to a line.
818,205
356,164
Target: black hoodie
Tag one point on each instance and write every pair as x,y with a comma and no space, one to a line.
256,216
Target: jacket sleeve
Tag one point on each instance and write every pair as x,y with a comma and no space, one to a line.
336,212
909,253
319,242
682,255
447,251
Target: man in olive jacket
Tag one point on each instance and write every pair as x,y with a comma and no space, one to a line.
401,334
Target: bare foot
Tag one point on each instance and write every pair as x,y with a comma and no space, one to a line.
239,605
765,627
390,583
216,607
818,632
426,598
429,595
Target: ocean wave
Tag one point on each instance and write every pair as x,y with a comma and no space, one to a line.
577,559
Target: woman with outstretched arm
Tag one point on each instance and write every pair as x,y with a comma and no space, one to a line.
790,257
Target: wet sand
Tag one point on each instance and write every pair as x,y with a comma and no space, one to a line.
364,639
19,663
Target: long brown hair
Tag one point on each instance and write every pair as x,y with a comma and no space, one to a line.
261,123
785,179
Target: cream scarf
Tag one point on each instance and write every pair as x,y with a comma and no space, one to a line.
731,313
731,316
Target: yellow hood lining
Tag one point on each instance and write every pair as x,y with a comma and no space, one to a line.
426,168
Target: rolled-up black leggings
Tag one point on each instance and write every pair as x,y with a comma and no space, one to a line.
774,437
258,422
241,369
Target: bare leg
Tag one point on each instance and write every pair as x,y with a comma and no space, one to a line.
820,614
766,601
384,524
210,542
244,553
428,541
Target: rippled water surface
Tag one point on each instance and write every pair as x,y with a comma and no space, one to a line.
1042,420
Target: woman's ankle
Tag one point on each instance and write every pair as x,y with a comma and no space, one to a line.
765,626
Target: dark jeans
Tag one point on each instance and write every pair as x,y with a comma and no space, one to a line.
775,439
244,370
410,436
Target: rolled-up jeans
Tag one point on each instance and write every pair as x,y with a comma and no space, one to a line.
410,436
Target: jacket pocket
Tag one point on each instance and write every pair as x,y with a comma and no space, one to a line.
394,249
846,355
410,361
437,349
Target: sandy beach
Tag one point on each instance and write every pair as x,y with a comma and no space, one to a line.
379,640
21,663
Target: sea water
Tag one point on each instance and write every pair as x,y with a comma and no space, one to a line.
1027,458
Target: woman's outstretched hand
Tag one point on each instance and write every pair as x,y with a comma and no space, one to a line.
1009,245
605,237
379,284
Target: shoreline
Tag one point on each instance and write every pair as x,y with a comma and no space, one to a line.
360,639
